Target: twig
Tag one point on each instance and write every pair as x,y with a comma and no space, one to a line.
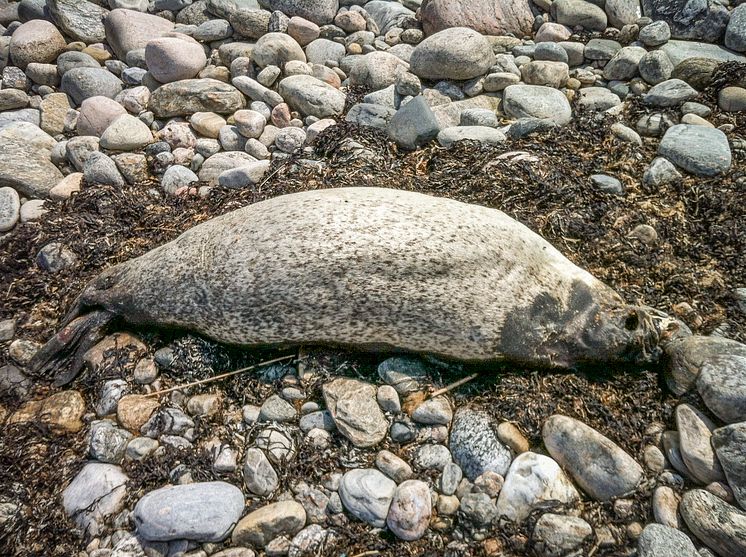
454,385
368,553
221,376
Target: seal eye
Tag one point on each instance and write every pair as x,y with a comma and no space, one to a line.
632,322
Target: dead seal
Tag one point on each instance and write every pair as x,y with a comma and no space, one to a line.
368,268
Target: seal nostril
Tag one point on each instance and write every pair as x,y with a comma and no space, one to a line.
632,322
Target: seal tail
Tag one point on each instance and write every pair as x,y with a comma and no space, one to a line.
62,355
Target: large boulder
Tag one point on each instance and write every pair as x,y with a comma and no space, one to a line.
320,12
129,30
699,21
311,96
173,58
536,101
195,95
35,41
457,53
79,19
489,17
26,161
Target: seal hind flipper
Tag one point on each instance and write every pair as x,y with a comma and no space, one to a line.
62,355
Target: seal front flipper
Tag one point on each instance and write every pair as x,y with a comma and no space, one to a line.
62,355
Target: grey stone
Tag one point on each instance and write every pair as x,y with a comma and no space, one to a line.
698,150
107,442
482,134
478,508
126,133
140,447
377,70
622,12
579,13
679,51
320,12
735,33
371,115
432,457
100,169
10,207
79,19
311,96
660,172
130,30
722,384
275,409
656,67
320,419
25,115
526,126
278,444
531,480
536,101
250,23
97,492
202,512
550,51
367,495
597,98
244,176
393,466
607,184
405,374
457,53
321,50
695,431
12,380
276,49
601,49
410,510
557,535
290,140
658,540
450,478
26,164
706,21
413,125
83,83
188,96
479,117
177,177
260,527
214,166
624,64
669,93
655,34
73,59
433,411
352,404
729,442
475,446
573,445
720,526
259,476
388,14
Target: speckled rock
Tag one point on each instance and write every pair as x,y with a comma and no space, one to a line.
474,444
717,524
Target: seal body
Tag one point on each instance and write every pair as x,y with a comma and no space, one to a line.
375,269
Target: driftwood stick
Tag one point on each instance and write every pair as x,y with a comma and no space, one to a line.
221,376
454,385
